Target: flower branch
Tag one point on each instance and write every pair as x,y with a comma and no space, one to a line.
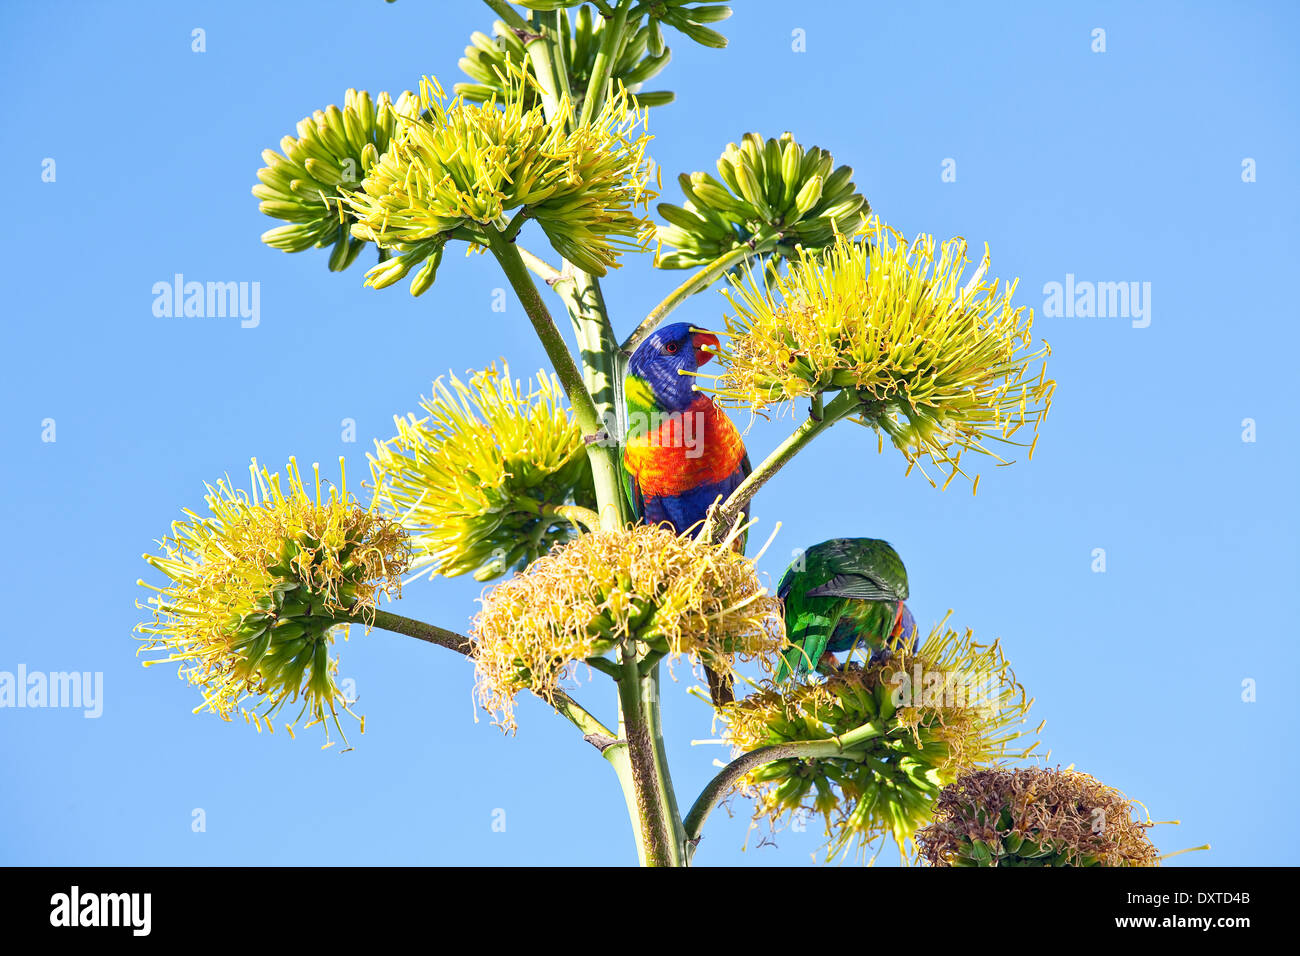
730,775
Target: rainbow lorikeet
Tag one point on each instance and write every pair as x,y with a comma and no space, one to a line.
682,452
844,593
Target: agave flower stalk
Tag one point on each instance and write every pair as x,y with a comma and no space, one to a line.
497,477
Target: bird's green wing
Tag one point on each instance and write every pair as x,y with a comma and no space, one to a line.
866,569
808,626
632,489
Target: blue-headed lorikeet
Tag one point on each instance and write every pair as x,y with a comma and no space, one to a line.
844,593
682,451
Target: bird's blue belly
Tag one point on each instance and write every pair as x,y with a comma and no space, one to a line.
687,509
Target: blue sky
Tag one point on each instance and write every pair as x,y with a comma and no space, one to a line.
1125,166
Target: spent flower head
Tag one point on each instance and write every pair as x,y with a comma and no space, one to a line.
482,481
938,366
644,588
328,158
774,197
260,586
897,732
457,169
1035,817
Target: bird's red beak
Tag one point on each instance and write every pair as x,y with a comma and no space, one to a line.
706,345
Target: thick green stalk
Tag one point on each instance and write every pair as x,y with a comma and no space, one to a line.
541,268
603,68
600,367
387,621
843,405
622,764
638,757
595,341
604,467
664,783
655,829
541,48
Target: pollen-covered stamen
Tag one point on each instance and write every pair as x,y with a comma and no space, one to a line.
664,594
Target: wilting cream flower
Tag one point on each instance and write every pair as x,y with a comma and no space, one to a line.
484,481
456,169
939,366
260,587
644,586
900,729
1035,817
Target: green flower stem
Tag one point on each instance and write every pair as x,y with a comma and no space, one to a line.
651,706
508,14
541,268
564,705
603,68
638,757
721,518
622,764
654,828
540,47
700,280
387,621
558,54
599,352
604,467
730,775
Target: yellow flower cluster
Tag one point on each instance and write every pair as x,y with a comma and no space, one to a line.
939,366
457,165
258,589
898,731
482,481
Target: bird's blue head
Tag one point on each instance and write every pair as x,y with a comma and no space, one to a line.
665,360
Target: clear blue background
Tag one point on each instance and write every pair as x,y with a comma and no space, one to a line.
1122,166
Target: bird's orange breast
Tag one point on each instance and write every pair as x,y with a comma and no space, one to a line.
671,454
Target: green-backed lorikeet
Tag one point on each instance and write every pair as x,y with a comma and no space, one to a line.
682,451
844,593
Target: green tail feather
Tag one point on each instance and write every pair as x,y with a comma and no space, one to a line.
809,630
